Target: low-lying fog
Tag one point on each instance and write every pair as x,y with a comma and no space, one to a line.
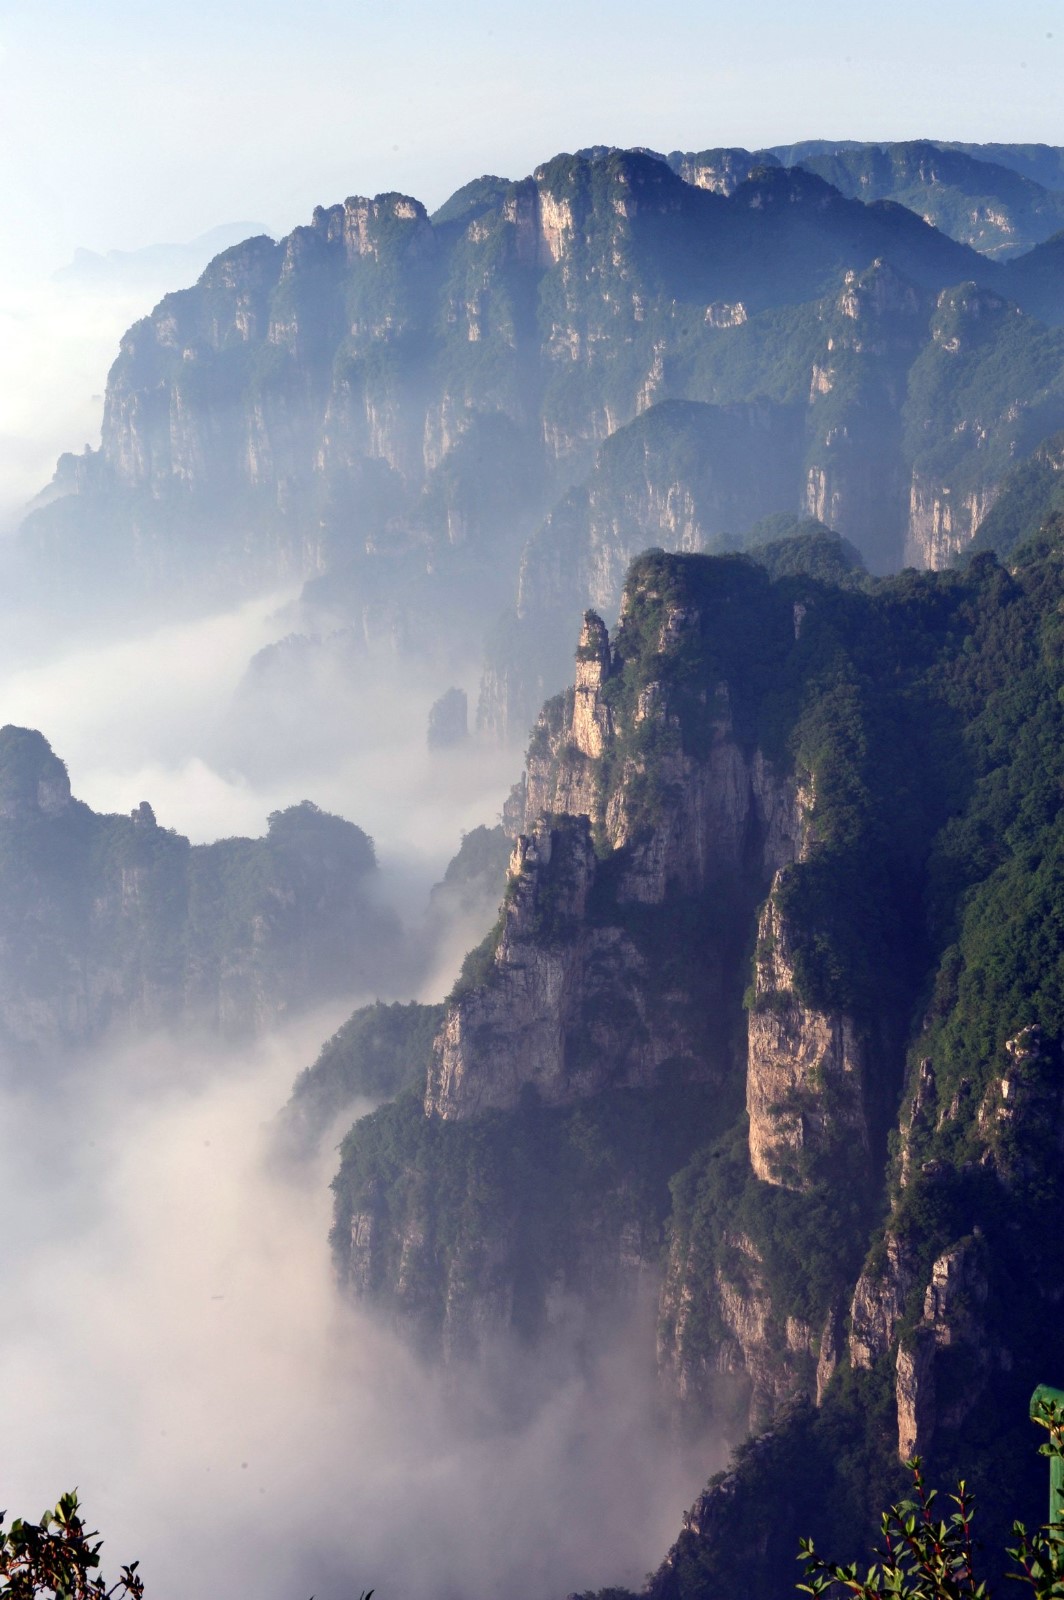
175,718
173,1345
171,1340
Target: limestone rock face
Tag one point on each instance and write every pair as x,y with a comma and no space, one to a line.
946,1351
921,1107
571,1000
721,171
591,724
952,1323
1021,1115
855,458
726,817
761,1361
805,1068
679,477
941,523
568,1007
879,1303
915,1394
728,809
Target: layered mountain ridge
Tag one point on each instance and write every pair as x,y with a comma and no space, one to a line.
769,1026
427,418
770,1019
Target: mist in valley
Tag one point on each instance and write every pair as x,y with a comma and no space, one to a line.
171,1337
347,478
173,1344
170,1333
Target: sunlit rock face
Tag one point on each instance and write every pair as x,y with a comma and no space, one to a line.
473,421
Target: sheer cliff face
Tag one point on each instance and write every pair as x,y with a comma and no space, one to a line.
384,397
696,926
801,1061
113,922
757,1022
899,419
931,1314
652,829
573,1005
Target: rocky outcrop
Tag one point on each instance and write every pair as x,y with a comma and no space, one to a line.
725,816
1020,1118
915,1394
681,477
918,1119
942,524
664,863
879,1302
939,1323
592,723
855,468
757,1362
459,1292
721,171
311,409
805,1069
565,1010
952,1322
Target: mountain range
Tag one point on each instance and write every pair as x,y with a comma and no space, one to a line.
442,426
770,1018
739,475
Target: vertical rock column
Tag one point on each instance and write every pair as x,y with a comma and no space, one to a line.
804,1067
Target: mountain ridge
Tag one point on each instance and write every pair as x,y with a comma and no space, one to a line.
842,798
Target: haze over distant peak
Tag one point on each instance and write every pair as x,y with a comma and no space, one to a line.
153,264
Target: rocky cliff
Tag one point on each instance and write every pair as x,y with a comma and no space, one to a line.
771,1020
652,825
891,413
387,405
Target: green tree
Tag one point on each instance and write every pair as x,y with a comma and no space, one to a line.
57,1557
928,1557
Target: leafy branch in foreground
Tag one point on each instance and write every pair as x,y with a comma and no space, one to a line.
926,1557
57,1557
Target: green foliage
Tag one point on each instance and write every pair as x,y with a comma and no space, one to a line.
806,1245
921,1559
380,1051
477,964
471,200
926,1557
1031,494
985,361
56,1558
480,862
538,1183
789,546
987,205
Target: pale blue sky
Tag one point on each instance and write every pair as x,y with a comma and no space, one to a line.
125,122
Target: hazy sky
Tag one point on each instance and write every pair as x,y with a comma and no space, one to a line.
125,123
